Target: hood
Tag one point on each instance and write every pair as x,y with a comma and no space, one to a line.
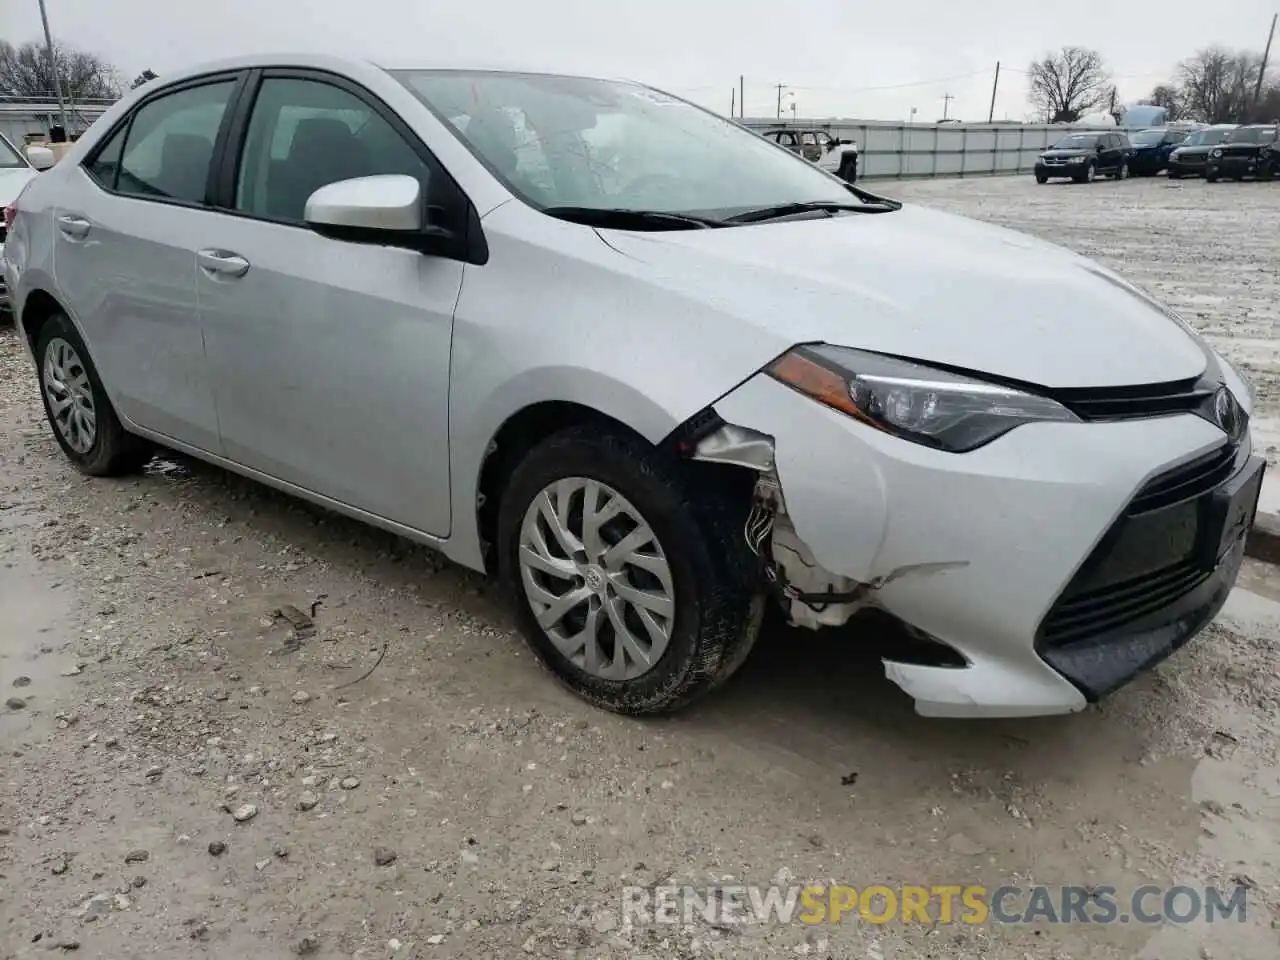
12,181
1069,152
1197,148
927,285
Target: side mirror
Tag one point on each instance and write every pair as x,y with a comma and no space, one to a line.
42,158
391,203
386,209
845,143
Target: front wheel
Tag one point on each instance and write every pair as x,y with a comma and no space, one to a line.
630,576
83,420
1123,172
1210,177
1041,179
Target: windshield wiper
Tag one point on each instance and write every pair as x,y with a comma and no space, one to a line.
623,219
871,204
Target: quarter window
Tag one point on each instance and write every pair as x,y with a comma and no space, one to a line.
169,146
305,134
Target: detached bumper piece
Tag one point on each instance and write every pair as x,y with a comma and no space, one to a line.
1158,576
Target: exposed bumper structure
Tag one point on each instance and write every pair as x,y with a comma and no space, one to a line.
992,551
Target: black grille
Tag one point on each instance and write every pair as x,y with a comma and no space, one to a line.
1147,560
1130,403
1185,482
1095,612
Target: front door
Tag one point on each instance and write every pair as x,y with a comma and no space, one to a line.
126,224
330,359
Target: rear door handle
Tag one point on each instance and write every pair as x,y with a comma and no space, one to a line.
222,263
74,227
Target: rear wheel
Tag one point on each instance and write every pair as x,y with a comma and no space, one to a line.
630,576
83,420
1122,173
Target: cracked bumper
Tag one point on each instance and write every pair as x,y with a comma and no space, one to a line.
994,535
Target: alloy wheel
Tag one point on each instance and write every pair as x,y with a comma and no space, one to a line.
596,578
70,395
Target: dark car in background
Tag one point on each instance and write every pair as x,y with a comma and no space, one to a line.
1188,158
1084,156
1151,149
1247,151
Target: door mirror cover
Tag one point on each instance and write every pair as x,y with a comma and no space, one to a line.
389,203
42,158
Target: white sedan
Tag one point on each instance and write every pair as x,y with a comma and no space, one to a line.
648,368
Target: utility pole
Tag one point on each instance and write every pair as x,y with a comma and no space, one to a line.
1262,70
946,104
53,69
733,95
994,83
742,97
780,87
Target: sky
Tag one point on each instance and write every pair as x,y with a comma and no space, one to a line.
836,58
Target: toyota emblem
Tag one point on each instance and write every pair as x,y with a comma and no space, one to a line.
1226,412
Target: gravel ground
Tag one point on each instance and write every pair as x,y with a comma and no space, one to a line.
184,774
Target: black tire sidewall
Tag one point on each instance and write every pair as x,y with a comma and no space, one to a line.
709,603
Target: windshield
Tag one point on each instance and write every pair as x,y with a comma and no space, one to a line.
607,145
1148,138
9,157
1202,138
1251,135
1077,141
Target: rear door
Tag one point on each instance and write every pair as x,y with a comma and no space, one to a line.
127,223
330,358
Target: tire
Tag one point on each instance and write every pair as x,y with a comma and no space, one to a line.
1122,172
696,537
87,428
1174,175
1210,178
848,171
1040,179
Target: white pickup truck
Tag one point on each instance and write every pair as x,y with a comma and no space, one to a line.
831,154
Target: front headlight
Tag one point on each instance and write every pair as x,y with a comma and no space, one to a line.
922,404
1215,153
1076,160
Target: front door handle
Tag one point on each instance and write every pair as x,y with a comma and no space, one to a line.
74,227
222,262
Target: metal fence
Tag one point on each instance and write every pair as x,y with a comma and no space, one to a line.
20,117
890,150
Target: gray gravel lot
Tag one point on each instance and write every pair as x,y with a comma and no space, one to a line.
178,778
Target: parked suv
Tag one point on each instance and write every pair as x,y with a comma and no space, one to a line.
818,146
1083,156
1246,152
1188,158
649,397
1151,149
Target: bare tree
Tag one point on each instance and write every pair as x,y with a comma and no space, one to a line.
25,71
1168,96
1217,84
1267,109
146,76
1068,83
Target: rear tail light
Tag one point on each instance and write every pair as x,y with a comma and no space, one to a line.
10,214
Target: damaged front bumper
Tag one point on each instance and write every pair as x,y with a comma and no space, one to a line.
975,550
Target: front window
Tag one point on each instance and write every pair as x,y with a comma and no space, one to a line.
10,159
1148,138
1251,135
608,145
1078,141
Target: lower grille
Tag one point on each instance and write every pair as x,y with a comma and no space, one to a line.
1147,561
1098,611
